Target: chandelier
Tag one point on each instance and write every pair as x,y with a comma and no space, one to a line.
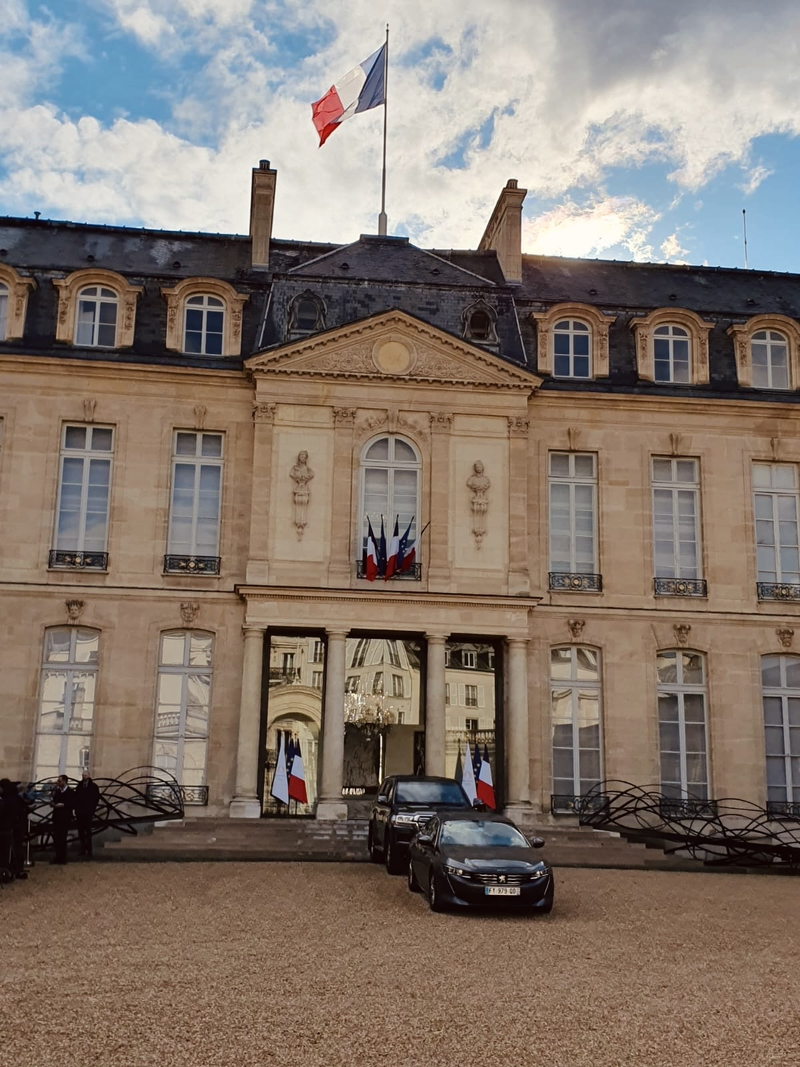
369,712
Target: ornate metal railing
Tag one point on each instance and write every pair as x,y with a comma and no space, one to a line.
413,574
576,583
566,804
723,831
95,561
191,564
190,794
784,809
680,587
777,591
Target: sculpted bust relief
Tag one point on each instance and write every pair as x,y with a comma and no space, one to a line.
479,484
301,474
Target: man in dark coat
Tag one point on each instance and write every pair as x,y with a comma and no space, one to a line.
87,797
62,817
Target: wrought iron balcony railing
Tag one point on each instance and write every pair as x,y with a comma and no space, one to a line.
684,808
680,587
189,794
191,564
565,804
413,574
777,591
573,582
94,561
784,809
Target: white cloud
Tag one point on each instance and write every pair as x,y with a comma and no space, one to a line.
672,250
755,177
590,230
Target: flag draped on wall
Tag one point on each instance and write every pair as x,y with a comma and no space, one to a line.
361,89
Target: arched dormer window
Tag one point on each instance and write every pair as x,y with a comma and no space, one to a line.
306,314
767,351
390,487
204,318
13,302
671,354
672,346
572,341
96,309
479,324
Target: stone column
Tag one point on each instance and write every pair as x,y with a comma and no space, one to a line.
435,720
245,803
340,567
519,583
518,800
438,563
331,805
258,552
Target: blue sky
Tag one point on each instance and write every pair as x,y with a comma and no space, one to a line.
641,129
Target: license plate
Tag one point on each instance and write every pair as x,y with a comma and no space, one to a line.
502,890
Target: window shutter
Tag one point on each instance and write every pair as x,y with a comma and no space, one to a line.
481,698
462,695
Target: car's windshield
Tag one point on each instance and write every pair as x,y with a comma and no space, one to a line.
431,793
481,834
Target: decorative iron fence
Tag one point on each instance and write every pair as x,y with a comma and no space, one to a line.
575,583
95,561
777,591
191,564
680,587
413,574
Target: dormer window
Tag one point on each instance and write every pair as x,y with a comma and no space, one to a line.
671,354
204,321
204,318
96,320
769,353
3,310
572,341
479,324
307,314
571,349
672,346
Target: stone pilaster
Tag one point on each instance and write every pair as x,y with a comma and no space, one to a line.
331,805
438,563
258,553
245,803
340,567
518,799
435,712
519,583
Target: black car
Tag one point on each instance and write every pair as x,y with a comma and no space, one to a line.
478,860
403,804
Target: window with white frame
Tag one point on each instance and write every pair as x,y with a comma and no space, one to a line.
776,512
377,682
316,679
394,653
447,699
360,652
471,696
575,699
398,686
318,653
676,518
3,311
780,681
671,354
96,320
471,726
180,740
203,325
83,489
390,475
352,684
469,659
682,725
769,355
573,518
572,341
66,702
196,494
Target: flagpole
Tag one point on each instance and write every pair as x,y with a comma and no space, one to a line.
382,217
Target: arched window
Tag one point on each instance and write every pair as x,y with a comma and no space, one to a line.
390,469
575,698
682,724
203,322
180,742
780,680
769,352
66,701
3,311
306,314
96,321
571,349
671,354
479,320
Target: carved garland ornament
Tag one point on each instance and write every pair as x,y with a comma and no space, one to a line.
264,412
301,474
18,289
478,484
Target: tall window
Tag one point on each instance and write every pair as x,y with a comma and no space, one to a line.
671,354
778,553
471,696
682,724
204,319
180,742
573,489
96,321
575,696
676,518
196,492
3,311
390,485
780,679
571,349
83,491
769,353
66,702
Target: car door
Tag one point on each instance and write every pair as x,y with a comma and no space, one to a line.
423,851
383,809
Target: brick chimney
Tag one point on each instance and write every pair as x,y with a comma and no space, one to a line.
503,234
262,206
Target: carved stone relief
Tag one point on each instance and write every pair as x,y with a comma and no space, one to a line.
74,609
344,416
575,627
441,423
682,631
478,484
518,425
199,416
301,474
89,404
189,611
263,412
785,635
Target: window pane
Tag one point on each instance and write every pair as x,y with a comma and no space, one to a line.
560,663
379,450
186,444
56,645
666,666
200,650
792,665
211,444
692,665
87,644
172,649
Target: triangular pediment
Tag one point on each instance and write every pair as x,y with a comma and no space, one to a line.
392,346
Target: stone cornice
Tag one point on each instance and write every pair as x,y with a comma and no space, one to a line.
359,596
105,370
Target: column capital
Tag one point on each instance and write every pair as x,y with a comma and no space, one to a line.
337,634
251,632
436,639
517,642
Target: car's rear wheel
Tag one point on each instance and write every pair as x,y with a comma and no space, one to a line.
374,854
434,898
394,862
413,884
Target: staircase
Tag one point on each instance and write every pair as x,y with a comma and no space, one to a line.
343,842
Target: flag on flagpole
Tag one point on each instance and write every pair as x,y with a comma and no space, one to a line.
297,776
361,89
382,551
468,774
476,762
371,568
410,552
458,774
484,785
289,754
280,782
392,552
402,546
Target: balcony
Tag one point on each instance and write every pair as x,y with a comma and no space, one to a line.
413,574
784,809
86,561
680,587
571,582
190,794
777,591
684,808
564,804
204,565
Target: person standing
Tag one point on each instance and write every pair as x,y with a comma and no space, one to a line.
62,817
87,797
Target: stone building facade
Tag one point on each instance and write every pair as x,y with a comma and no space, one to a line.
600,460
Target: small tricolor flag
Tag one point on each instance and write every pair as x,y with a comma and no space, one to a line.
297,777
392,553
468,775
371,568
280,782
484,786
361,89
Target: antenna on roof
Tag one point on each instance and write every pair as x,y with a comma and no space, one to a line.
744,230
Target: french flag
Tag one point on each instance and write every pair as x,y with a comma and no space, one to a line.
393,553
484,786
297,776
371,568
468,774
361,89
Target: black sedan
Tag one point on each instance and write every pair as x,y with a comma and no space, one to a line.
479,861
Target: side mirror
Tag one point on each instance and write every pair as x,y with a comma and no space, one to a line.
537,842
478,805
424,839
382,800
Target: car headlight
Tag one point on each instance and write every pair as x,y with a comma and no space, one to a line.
404,820
541,873
451,868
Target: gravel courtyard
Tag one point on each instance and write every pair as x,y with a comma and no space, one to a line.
307,964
